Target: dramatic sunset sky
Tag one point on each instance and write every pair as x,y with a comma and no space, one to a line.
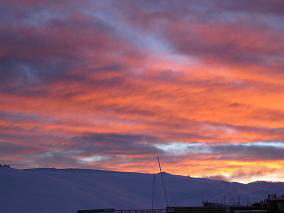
114,84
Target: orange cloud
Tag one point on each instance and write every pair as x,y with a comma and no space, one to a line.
122,79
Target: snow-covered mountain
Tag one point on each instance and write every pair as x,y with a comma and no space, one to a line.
67,190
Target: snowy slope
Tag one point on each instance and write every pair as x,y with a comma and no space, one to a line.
67,190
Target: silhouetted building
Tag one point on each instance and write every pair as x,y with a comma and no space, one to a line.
274,204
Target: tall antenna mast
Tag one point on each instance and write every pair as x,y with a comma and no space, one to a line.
163,182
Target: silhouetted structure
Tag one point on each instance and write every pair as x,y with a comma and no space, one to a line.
4,165
193,209
123,211
273,204
97,211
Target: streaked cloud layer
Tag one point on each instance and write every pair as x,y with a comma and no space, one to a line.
113,84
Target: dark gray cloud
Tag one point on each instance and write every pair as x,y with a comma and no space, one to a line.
47,159
251,151
273,7
9,148
53,47
115,144
17,116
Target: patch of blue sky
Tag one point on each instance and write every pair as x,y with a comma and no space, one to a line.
274,144
184,148
94,158
200,148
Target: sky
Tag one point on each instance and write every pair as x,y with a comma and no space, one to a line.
114,84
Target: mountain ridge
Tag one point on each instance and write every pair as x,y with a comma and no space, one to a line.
51,190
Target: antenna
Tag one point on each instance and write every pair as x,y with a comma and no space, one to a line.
162,178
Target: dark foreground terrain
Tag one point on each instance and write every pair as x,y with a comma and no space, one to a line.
67,190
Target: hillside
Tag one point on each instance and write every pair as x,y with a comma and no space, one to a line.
67,190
